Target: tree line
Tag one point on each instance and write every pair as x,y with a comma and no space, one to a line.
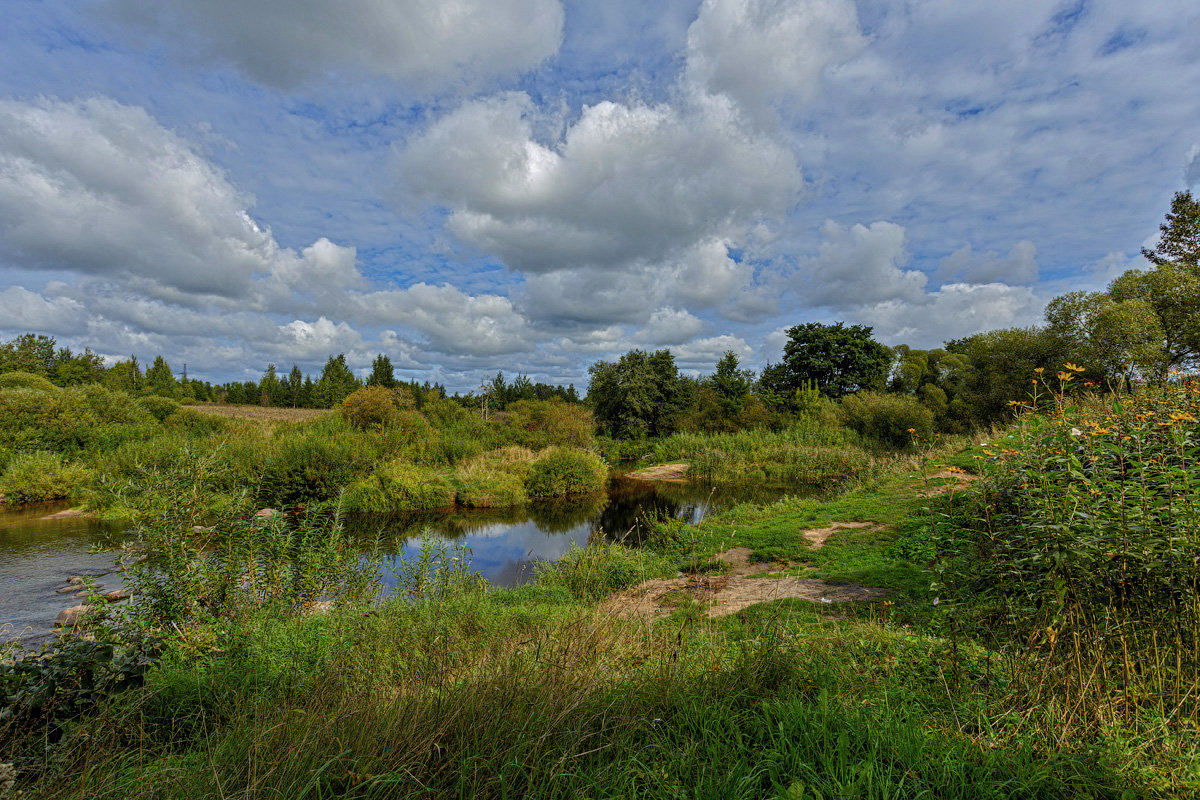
1145,325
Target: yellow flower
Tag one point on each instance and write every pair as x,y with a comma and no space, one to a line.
912,430
1065,377
1073,367
1014,402
1039,370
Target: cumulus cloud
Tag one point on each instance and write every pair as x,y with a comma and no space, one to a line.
23,310
670,326
424,44
953,311
764,51
624,183
100,188
702,355
860,264
1018,267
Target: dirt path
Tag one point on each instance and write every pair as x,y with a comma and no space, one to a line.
732,591
661,472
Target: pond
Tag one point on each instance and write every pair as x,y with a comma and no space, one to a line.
38,555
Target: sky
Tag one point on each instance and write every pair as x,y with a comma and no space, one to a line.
535,185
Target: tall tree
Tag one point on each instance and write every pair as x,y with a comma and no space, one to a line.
125,376
382,373
840,360
1179,241
639,395
731,383
29,352
161,379
336,383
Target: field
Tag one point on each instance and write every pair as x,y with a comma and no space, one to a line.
267,413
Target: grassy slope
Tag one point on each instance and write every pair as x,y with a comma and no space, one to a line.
531,692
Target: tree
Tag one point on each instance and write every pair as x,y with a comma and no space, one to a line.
32,353
125,376
1179,242
640,395
731,384
161,379
1120,340
1002,364
294,387
1173,291
840,360
382,373
270,388
336,383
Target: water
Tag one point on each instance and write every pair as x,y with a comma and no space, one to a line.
37,556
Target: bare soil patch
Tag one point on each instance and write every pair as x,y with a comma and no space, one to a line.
267,413
732,591
661,472
817,536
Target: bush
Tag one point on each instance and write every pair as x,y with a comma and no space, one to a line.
495,480
594,572
561,471
112,407
36,420
310,468
37,477
398,486
158,407
893,419
195,422
374,406
26,380
541,423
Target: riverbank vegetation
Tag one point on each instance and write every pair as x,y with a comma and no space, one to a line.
996,595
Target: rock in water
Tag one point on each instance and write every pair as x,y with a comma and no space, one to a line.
70,617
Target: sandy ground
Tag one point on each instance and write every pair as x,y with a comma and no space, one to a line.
661,472
955,482
261,412
730,592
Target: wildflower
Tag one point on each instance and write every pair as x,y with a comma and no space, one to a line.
1088,384
1073,367
1035,381
1066,377
912,430
1039,370
1014,402
1076,432
937,600
1182,416
888,603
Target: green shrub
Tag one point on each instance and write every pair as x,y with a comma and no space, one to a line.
599,570
893,419
398,486
561,471
374,406
494,480
112,407
26,380
36,420
310,467
159,407
40,476
541,423
196,422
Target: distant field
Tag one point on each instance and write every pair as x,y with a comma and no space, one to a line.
262,412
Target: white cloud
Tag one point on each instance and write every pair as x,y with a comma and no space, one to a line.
1018,267
763,51
1191,167
424,44
703,354
953,311
100,188
22,310
856,265
670,326
313,340
625,183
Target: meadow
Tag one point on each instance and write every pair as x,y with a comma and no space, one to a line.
1036,635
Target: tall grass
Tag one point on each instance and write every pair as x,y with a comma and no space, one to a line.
805,453
1080,557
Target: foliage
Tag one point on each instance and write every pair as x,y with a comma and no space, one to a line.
310,466
336,383
541,423
1088,535
594,572
731,384
382,373
40,476
1179,242
1002,363
374,406
35,420
563,471
840,360
894,419
398,486
158,406
25,380
1122,341
494,480
642,394
1173,293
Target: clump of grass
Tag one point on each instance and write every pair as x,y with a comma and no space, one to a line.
494,480
399,486
562,471
40,476
158,407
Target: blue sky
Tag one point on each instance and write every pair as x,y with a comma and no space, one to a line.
533,185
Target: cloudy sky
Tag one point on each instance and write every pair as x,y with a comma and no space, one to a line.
533,185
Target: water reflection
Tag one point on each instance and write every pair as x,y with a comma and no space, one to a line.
37,555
